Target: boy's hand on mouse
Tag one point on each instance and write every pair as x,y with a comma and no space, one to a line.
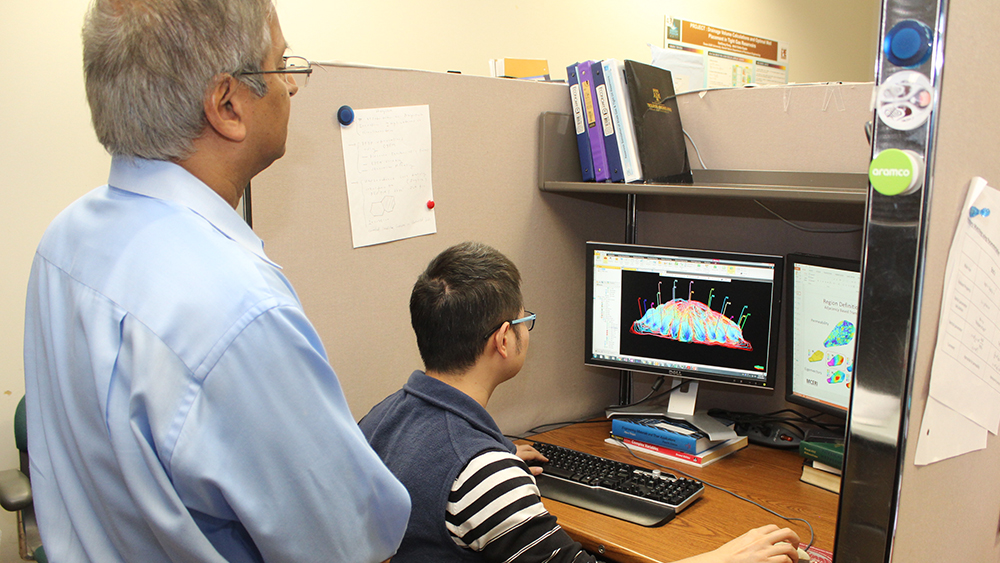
765,544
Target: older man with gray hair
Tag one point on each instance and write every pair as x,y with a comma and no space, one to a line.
180,405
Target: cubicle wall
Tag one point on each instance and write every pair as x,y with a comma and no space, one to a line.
485,143
949,511
485,179
485,147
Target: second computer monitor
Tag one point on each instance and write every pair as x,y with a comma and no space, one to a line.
820,332
704,315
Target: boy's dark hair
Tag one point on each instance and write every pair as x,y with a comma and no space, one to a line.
465,292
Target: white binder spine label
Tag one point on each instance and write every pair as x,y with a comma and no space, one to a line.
605,107
574,92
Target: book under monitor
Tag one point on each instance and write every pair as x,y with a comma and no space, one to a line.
820,478
707,457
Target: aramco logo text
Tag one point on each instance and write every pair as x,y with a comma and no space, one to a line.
901,172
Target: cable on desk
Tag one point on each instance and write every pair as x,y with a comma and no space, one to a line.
790,417
652,389
649,396
536,430
812,533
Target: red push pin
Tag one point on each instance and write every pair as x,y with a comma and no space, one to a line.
430,204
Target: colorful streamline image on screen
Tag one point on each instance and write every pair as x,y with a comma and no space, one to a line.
687,313
821,331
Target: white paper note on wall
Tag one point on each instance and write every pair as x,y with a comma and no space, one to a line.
387,160
964,399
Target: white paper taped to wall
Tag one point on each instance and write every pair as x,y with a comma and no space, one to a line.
964,402
387,160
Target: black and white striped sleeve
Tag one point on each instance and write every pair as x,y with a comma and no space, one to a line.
494,508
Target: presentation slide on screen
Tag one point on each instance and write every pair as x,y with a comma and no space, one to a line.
826,312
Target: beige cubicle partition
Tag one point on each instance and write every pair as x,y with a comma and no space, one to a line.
950,510
484,176
486,187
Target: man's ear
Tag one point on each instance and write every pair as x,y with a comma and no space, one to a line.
499,340
225,108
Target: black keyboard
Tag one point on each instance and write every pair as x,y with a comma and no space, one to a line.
622,490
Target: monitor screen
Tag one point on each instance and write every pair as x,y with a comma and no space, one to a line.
698,314
822,320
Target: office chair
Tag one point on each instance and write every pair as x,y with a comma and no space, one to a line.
15,494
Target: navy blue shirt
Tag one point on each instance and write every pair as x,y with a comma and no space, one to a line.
472,498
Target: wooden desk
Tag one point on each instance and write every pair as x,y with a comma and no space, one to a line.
764,475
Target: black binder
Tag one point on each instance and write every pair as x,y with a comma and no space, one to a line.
662,151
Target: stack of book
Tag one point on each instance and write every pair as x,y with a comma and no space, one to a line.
824,462
523,69
672,439
628,127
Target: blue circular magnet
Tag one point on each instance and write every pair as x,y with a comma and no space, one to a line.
345,115
908,44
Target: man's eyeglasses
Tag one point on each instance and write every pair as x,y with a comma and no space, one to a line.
290,65
528,318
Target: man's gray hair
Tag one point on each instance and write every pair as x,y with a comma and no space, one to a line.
149,63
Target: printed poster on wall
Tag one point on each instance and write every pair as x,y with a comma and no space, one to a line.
702,56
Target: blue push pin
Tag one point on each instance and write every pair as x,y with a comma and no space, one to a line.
345,115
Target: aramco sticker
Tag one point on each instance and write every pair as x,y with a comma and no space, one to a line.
895,172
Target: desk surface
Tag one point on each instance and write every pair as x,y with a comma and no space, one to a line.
764,475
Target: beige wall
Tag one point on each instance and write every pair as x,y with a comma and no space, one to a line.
928,512
829,42
49,157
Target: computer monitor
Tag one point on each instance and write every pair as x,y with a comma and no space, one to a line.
820,332
690,314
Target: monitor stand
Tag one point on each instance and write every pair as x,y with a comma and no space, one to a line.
680,407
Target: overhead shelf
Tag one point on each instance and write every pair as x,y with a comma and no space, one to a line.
559,172
747,184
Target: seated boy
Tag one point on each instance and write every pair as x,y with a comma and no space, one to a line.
473,496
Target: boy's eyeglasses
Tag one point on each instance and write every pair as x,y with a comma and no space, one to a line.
528,318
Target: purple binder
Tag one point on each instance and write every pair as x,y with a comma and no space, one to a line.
592,117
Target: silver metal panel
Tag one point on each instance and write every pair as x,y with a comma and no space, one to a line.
893,256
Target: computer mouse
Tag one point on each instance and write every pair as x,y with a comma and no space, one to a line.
803,555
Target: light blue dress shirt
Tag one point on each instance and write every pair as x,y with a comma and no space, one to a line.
180,405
